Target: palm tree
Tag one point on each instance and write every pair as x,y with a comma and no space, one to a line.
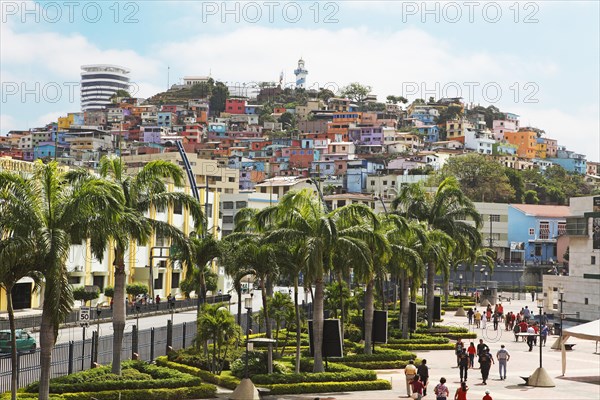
216,324
447,210
142,193
17,260
300,219
280,305
48,208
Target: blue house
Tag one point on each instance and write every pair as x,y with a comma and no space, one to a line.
431,133
535,228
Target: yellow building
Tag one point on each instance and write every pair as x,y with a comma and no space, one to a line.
526,142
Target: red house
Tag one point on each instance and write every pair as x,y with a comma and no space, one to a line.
235,106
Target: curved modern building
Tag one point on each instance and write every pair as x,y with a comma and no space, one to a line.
99,82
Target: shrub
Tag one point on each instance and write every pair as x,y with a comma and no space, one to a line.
372,365
420,346
257,364
348,376
353,333
320,387
225,379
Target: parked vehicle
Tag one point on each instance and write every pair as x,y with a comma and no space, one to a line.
25,342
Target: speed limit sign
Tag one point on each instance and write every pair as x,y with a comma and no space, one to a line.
84,314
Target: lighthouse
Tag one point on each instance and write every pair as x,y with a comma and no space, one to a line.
300,73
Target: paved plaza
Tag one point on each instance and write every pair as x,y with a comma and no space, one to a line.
581,381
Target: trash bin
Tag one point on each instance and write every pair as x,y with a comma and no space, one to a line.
557,328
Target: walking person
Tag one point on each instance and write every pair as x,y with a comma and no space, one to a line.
485,361
461,392
544,335
417,387
409,372
502,356
530,337
441,390
495,320
423,372
487,396
463,364
471,351
470,315
458,350
477,319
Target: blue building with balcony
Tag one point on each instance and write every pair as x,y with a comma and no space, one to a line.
535,229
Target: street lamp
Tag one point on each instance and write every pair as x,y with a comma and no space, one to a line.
486,281
248,307
540,377
561,292
460,312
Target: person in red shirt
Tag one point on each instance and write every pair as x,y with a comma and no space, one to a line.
417,386
471,351
523,326
461,392
487,396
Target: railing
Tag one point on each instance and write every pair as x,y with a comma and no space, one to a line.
35,321
71,357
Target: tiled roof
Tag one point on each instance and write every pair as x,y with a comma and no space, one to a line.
543,211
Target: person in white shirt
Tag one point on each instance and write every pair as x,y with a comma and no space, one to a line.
502,356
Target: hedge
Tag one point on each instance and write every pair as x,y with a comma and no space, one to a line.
419,339
419,346
350,376
225,380
100,379
372,365
202,391
325,387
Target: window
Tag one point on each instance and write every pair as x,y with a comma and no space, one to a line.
74,280
241,204
341,203
158,282
586,301
228,205
531,231
384,183
231,179
544,230
593,260
175,280
372,183
177,208
494,218
227,219
160,241
538,250
99,281
562,228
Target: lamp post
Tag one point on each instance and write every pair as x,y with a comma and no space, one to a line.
460,312
540,377
248,306
246,389
561,292
486,281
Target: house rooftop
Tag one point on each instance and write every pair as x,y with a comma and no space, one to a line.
543,210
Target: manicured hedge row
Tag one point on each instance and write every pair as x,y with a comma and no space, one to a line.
324,387
419,339
350,376
377,357
372,365
224,380
203,391
419,346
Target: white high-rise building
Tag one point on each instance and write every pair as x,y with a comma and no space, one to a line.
99,82
301,74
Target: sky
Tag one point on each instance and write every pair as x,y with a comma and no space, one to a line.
540,60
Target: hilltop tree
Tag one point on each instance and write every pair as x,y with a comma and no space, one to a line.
356,92
203,89
480,178
220,93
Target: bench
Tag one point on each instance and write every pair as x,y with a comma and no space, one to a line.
569,346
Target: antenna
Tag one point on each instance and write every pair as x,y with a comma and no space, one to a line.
168,72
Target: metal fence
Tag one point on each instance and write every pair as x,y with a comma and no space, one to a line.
35,321
75,356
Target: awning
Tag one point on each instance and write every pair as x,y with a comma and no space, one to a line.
587,331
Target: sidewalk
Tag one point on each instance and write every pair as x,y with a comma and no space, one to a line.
582,365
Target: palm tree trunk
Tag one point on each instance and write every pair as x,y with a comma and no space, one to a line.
382,288
430,293
119,315
13,342
269,334
318,325
47,340
446,289
238,290
405,306
369,309
298,329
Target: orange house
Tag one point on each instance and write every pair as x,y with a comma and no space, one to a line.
526,142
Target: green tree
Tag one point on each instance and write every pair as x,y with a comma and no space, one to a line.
220,93
515,179
280,305
288,121
325,94
109,291
53,211
356,92
446,211
216,324
81,294
17,261
531,197
480,178
142,193
203,89
119,93
136,289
